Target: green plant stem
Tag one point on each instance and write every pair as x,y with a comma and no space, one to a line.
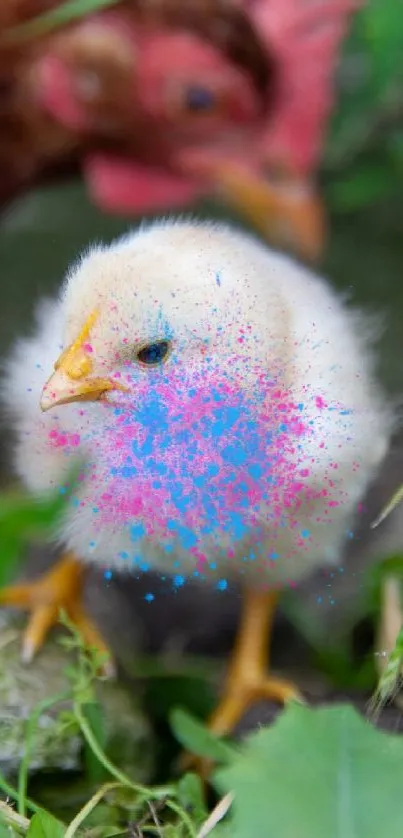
89,737
32,723
121,778
88,808
182,815
13,793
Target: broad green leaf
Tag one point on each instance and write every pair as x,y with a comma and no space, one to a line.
324,772
197,739
43,825
224,830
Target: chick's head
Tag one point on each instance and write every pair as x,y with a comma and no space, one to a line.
170,301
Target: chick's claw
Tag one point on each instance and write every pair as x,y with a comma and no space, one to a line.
236,701
239,698
58,590
247,681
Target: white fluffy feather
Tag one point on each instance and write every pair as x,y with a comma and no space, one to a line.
300,328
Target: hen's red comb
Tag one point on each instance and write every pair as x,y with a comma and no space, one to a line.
305,37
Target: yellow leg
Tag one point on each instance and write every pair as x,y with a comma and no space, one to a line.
247,680
59,589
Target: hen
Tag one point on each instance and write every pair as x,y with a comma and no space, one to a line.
164,102
223,401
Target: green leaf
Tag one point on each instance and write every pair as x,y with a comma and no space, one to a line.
383,27
60,16
96,772
43,825
24,517
197,739
191,796
324,772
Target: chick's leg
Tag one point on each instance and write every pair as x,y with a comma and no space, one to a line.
247,680
60,588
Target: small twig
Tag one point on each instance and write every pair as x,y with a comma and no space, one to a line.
152,809
13,793
391,631
136,825
390,506
216,815
11,818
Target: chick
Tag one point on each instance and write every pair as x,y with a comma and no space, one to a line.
222,398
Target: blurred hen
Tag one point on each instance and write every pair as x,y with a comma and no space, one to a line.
164,102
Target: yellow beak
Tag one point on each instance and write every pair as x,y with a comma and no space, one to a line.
72,380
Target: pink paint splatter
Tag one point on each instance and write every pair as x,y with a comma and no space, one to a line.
62,440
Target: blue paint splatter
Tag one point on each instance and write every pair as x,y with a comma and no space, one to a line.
137,531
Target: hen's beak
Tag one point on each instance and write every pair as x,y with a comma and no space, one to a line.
287,212
284,207
72,380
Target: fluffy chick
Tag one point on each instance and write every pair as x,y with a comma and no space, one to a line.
223,400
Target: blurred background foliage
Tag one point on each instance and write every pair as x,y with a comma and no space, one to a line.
363,160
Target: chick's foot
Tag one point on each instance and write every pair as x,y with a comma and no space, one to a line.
59,589
247,680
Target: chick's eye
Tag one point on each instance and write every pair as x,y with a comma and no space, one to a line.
154,353
199,99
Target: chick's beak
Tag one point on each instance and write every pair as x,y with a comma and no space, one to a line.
72,380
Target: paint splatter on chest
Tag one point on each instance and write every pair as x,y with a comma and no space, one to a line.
196,456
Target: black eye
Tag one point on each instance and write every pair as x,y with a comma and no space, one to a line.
199,99
153,353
